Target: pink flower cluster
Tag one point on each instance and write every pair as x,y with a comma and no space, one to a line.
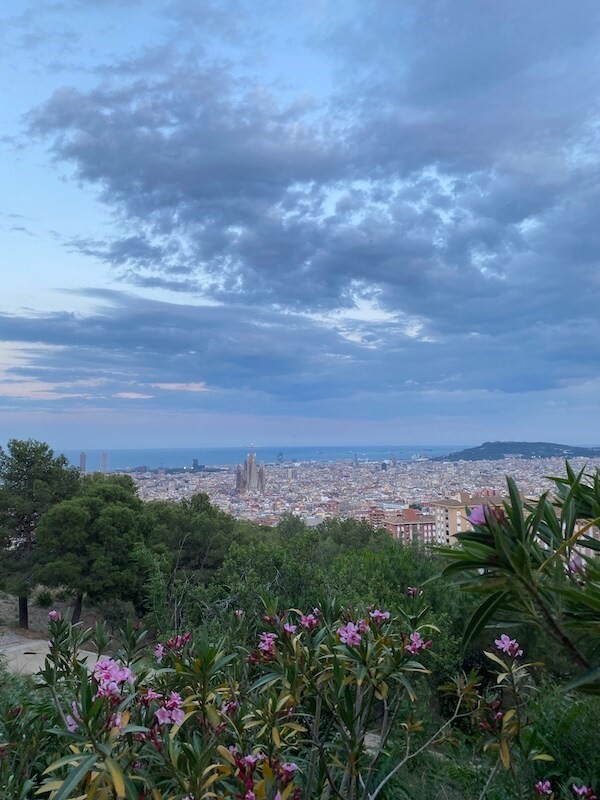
246,766
54,615
111,677
543,787
584,791
350,634
267,646
507,645
378,616
179,641
171,710
175,644
416,643
290,629
310,621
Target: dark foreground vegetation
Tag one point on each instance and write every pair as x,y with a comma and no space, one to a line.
275,664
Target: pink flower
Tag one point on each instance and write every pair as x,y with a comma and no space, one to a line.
543,787
250,761
71,724
178,716
267,645
416,643
584,791
74,718
507,645
576,565
289,768
477,515
152,695
309,621
229,707
239,613
290,629
412,591
116,721
171,710
349,634
54,615
111,677
378,616
174,700
179,641
159,652
363,626
249,795
163,715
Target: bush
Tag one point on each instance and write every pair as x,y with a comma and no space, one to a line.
44,599
288,716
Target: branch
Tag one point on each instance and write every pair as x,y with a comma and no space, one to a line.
432,740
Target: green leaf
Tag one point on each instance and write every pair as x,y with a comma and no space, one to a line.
481,615
588,681
74,778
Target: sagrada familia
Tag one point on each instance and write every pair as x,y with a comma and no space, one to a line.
250,477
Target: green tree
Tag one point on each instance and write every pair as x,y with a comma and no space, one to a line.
32,480
187,544
87,543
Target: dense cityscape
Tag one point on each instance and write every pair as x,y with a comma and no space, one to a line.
404,496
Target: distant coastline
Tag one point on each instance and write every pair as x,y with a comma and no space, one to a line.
178,458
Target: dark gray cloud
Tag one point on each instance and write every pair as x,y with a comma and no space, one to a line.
436,181
277,360
448,173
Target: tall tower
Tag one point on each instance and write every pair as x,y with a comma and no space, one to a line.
240,479
83,463
104,462
262,479
251,472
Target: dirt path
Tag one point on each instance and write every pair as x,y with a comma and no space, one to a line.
24,651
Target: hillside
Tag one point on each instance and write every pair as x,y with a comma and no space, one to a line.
494,451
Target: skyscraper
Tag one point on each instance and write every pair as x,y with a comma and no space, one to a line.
82,462
104,462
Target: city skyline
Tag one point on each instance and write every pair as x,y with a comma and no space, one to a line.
311,222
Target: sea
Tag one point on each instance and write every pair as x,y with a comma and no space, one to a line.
179,458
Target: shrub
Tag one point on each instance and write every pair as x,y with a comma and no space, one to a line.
44,598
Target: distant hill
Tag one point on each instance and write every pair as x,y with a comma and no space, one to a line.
494,451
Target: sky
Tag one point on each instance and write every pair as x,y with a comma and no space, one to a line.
308,222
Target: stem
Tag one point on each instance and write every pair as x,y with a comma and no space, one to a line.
489,780
432,740
315,736
557,632
58,705
386,728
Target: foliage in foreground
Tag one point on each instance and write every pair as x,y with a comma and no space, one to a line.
537,564
323,705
